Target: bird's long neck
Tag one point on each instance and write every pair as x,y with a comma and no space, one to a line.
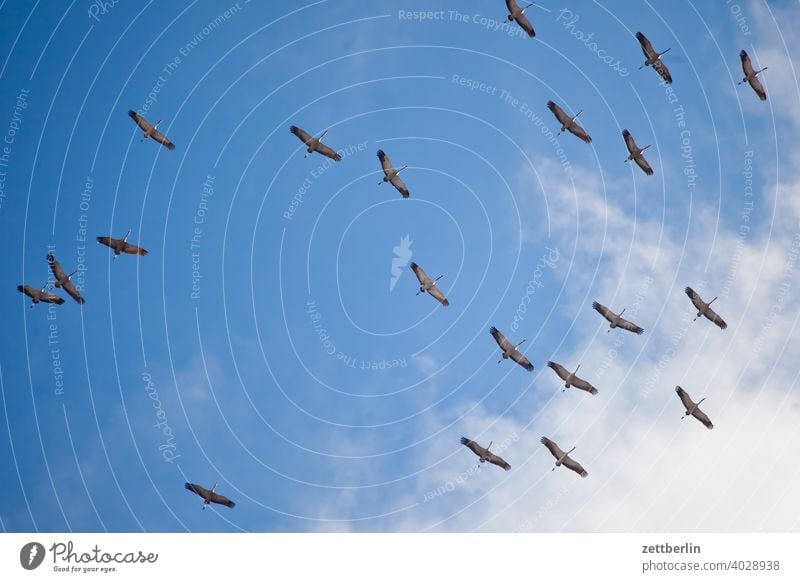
437,278
764,69
322,135
659,55
621,312
712,301
489,446
125,238
401,169
214,487
524,9
577,114
576,369
520,343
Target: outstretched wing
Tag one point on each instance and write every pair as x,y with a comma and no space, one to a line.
747,66
603,310
140,121
55,267
50,298
642,163
559,369
134,250
329,152
758,88
162,139
420,273
473,446
302,134
500,338
574,465
630,326
517,356
647,48
73,292
386,163
398,183
686,400
558,112
107,240
695,297
554,449
222,500
629,141
577,130
198,489
662,70
584,385
27,290
499,461
714,317
701,416
437,294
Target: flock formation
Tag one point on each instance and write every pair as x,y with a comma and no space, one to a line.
426,283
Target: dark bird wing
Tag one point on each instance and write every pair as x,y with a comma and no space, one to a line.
522,20
27,290
647,48
162,139
500,339
517,356
437,294
572,464
696,299
73,292
747,66
685,398
134,250
420,273
558,112
140,121
642,163
714,317
584,385
630,326
630,143
199,489
701,416
55,267
758,88
329,152
50,298
398,183
222,500
303,135
559,369
577,130
386,163
603,310
554,449
473,446
499,461
662,70
107,240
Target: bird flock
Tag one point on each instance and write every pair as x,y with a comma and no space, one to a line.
428,285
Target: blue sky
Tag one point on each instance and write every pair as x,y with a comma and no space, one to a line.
272,342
